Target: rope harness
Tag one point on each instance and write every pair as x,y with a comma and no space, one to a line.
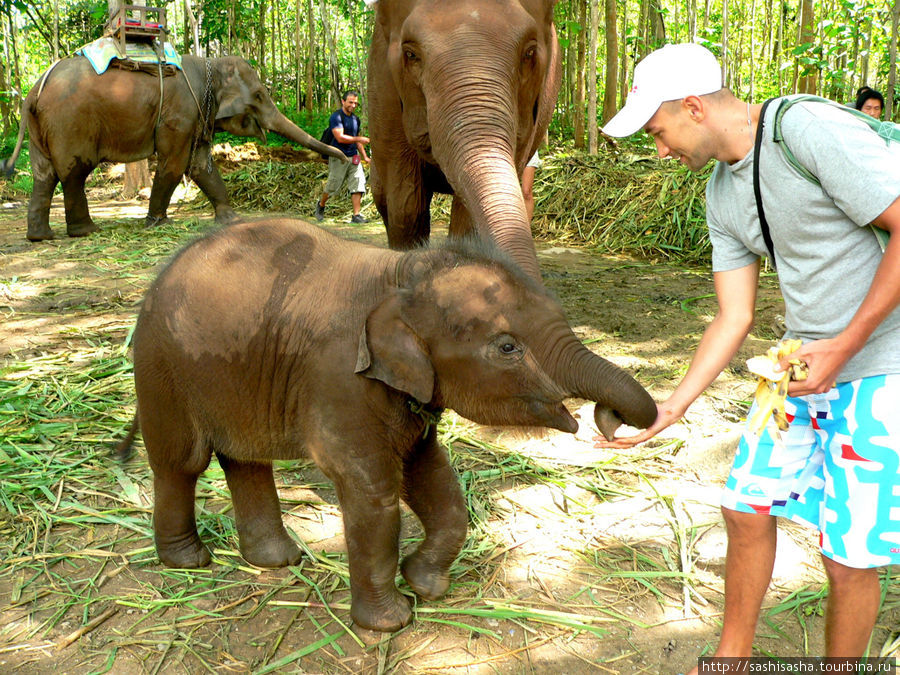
204,131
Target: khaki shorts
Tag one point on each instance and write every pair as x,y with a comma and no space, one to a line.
340,172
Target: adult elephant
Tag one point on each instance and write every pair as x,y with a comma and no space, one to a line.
460,97
77,119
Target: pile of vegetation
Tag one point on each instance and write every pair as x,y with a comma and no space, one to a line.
622,202
619,201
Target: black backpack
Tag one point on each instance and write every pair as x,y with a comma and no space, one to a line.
326,138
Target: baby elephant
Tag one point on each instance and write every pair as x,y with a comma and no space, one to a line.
274,340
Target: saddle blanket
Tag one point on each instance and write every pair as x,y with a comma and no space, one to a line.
103,50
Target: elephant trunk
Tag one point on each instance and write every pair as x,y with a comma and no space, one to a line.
618,396
282,125
583,374
474,143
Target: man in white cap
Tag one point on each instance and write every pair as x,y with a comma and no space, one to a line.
837,466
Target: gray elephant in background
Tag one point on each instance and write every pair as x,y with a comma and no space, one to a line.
275,339
76,119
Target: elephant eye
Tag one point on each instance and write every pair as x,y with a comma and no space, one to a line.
410,55
508,346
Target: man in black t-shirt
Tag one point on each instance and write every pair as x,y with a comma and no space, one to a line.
345,128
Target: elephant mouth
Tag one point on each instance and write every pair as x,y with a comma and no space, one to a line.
554,415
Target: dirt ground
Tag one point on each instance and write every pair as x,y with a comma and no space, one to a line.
640,561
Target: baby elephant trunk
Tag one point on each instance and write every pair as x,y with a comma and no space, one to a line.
619,397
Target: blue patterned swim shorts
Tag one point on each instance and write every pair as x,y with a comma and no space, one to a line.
837,468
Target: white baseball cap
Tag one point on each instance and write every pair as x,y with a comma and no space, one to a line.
667,74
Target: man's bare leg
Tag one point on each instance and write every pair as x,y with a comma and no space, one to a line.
749,560
854,598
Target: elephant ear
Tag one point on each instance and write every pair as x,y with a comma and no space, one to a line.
550,90
231,98
391,352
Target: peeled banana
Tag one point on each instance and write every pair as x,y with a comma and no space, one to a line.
771,391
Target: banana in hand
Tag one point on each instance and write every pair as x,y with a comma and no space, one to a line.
771,391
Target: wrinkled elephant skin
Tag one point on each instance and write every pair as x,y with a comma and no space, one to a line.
77,119
461,95
274,340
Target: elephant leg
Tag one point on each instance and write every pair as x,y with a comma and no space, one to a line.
174,526
407,209
206,175
78,217
432,491
263,540
177,458
45,180
161,191
460,220
369,495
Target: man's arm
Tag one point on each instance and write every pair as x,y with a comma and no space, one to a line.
826,358
736,297
341,137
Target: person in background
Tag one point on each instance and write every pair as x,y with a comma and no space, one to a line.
837,466
345,127
870,101
533,165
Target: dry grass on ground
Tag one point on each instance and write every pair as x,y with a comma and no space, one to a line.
578,560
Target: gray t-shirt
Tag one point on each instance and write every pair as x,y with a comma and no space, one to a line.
826,255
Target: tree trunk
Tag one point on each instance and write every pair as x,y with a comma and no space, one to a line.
570,71
657,24
892,71
808,80
311,56
725,42
298,56
864,67
55,30
360,73
612,62
332,53
6,103
231,26
592,78
579,75
261,42
137,176
194,28
623,66
752,49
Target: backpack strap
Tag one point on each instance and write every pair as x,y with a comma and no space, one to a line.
888,131
760,211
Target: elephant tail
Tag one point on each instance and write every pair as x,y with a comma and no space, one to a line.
8,166
123,447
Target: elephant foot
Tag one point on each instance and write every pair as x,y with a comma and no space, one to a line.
39,233
270,551
424,577
156,221
388,615
226,216
188,552
81,230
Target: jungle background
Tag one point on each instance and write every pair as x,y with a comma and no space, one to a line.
578,559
